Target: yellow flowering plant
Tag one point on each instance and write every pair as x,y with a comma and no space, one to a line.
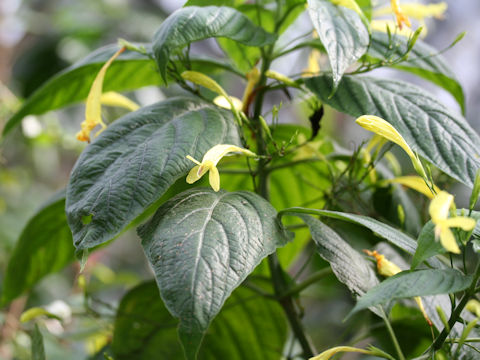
263,260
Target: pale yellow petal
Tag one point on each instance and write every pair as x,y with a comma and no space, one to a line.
473,306
214,178
223,102
448,240
216,153
330,352
253,76
112,98
440,206
383,25
193,175
416,183
192,159
421,11
462,222
401,17
205,81
383,128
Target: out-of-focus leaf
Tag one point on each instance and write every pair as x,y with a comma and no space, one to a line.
45,246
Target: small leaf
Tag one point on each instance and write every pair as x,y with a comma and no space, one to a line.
135,160
409,284
201,245
193,23
131,70
423,61
342,32
439,135
44,247
247,324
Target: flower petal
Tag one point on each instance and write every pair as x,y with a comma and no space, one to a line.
193,175
214,178
440,206
462,222
327,354
448,240
416,183
112,98
216,153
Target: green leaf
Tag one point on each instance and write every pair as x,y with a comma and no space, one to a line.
131,70
194,23
394,236
423,60
427,245
38,349
44,247
348,265
409,284
439,135
248,328
342,32
201,246
135,160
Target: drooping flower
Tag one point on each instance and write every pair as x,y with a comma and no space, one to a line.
112,98
473,306
210,161
401,17
383,128
226,103
439,209
93,116
416,183
387,268
327,354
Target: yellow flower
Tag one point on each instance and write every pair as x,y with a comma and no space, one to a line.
473,306
387,269
253,76
416,183
383,128
112,98
93,116
210,161
225,103
439,209
327,354
382,25
401,17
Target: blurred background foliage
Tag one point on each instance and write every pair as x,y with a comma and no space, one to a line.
39,38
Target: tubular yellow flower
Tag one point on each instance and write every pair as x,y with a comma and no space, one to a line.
93,116
112,98
383,128
416,183
401,17
330,352
223,102
210,161
439,208
418,11
387,269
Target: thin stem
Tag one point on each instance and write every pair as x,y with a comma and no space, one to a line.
437,345
312,279
393,337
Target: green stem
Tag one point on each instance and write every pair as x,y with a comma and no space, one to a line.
312,279
279,283
438,343
393,337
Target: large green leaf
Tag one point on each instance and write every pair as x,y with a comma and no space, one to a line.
342,32
135,160
193,23
348,265
423,60
201,246
409,284
248,328
441,136
45,246
129,71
